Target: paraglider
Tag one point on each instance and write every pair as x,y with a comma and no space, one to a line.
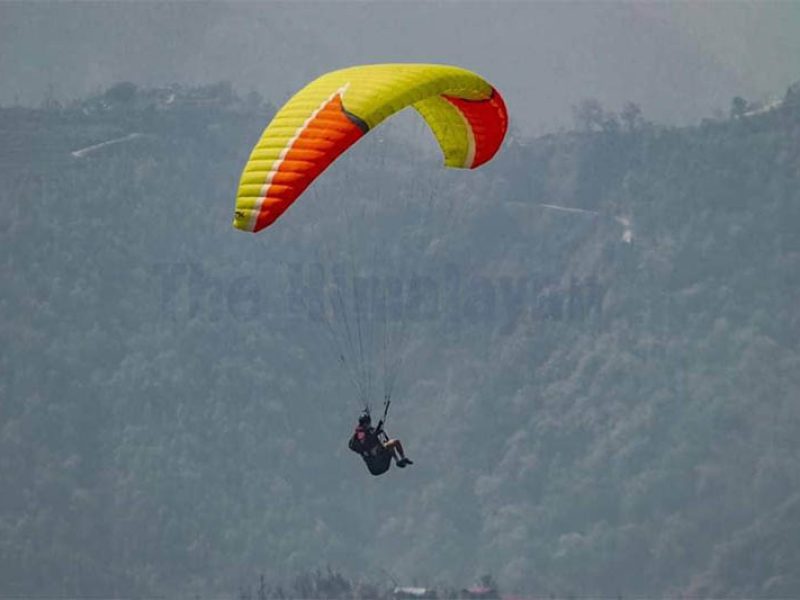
468,118
376,447
465,113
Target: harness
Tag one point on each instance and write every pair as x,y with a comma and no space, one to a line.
377,458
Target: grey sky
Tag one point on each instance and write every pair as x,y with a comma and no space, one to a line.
679,61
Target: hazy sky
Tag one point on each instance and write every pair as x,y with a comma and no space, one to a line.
679,61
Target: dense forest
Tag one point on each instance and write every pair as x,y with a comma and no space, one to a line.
597,361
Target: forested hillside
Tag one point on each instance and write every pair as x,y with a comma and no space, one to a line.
598,356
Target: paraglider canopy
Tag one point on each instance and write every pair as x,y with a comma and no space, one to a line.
466,114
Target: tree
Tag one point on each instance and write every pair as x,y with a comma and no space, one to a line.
738,107
792,97
589,115
121,93
631,116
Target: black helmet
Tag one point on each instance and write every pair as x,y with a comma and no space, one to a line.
365,419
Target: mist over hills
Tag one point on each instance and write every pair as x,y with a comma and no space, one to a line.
599,375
